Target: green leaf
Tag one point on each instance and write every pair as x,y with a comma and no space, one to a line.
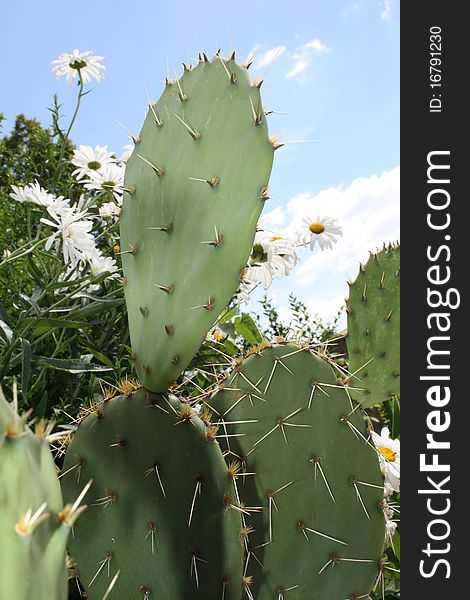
228,329
227,315
96,307
6,332
230,348
25,367
248,330
101,357
44,325
396,543
71,366
3,314
41,408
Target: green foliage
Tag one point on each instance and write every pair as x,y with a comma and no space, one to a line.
304,328
200,171
57,330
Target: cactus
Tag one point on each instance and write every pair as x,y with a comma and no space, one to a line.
373,338
34,524
304,457
164,513
195,186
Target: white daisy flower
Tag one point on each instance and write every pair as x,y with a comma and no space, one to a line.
270,257
109,179
389,457
243,293
88,160
324,231
109,210
33,194
216,335
75,64
390,527
101,264
128,150
77,242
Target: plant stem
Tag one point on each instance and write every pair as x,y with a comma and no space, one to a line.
66,137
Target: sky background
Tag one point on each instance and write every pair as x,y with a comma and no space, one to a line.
331,68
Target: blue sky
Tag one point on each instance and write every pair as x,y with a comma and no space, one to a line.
332,66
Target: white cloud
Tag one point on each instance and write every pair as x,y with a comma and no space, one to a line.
386,14
253,52
316,45
368,212
303,55
269,56
299,67
327,308
272,218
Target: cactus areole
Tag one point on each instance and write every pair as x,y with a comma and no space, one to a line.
196,183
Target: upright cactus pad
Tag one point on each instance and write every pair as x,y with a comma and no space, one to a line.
162,513
197,181
373,338
305,461
34,525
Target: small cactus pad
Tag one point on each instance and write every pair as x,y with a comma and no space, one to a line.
158,508
33,537
373,338
305,460
197,181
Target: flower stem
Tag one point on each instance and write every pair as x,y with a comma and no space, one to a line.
65,138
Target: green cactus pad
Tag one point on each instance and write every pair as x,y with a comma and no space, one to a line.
197,182
32,536
158,509
320,533
373,338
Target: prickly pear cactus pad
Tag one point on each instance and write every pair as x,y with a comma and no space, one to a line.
373,338
162,509
33,535
197,181
305,460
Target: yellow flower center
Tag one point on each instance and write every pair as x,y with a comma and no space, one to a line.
78,64
116,247
389,454
275,238
218,337
317,228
